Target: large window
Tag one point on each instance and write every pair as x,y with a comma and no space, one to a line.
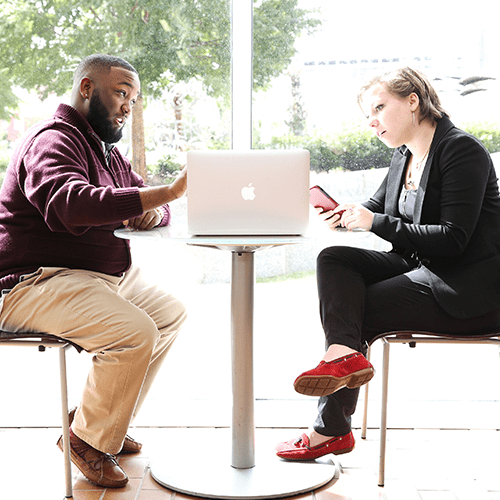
309,59
313,102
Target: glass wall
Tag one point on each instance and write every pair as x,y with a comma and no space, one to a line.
309,59
313,102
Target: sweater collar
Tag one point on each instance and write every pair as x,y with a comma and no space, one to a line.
71,115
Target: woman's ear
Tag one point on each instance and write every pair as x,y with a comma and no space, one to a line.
414,101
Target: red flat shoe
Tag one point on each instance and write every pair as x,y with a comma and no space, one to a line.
328,377
299,449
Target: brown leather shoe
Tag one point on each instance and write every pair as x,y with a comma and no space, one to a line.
130,445
99,468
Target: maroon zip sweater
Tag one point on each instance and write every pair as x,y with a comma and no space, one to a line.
61,201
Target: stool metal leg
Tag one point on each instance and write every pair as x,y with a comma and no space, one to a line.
383,417
65,420
365,408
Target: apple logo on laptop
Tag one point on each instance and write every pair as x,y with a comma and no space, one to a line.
248,192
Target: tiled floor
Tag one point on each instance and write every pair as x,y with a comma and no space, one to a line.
421,465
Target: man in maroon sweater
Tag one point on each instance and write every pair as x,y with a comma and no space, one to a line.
62,270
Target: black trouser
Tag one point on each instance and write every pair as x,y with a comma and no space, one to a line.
364,293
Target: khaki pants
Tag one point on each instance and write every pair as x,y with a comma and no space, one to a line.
126,323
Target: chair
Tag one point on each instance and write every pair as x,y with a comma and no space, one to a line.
42,340
411,338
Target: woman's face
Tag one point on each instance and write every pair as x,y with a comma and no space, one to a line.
389,116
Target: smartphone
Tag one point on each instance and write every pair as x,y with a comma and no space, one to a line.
319,198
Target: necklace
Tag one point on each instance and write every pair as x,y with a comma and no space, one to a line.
418,165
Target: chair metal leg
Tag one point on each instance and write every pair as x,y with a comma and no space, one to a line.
383,417
365,408
65,420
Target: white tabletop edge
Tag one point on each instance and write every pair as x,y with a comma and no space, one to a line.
237,240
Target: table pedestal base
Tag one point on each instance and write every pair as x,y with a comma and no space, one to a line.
205,475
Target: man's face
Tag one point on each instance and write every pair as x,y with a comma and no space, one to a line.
111,103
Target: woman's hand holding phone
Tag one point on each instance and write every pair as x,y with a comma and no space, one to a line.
333,219
326,207
348,215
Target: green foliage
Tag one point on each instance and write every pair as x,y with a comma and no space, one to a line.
487,133
4,159
297,121
222,142
167,166
353,149
7,97
276,25
42,41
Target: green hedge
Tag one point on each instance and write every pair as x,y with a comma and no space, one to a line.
487,133
360,149
354,149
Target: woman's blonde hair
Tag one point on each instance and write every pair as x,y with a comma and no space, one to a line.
405,81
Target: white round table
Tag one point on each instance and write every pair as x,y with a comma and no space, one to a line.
206,473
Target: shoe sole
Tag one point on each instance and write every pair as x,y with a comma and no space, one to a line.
301,459
341,452
323,385
74,460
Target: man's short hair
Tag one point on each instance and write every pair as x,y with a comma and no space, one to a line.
100,62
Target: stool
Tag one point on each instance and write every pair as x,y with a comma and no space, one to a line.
43,340
411,338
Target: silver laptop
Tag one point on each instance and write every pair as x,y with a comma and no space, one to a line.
252,192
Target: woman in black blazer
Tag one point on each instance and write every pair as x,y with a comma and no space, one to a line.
439,207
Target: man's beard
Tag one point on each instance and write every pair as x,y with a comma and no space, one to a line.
98,117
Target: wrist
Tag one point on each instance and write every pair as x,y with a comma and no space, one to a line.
173,192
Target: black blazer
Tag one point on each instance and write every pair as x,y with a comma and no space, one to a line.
456,227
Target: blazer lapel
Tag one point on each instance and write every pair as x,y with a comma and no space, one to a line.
395,179
422,188
443,126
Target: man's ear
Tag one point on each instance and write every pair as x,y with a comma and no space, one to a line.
86,87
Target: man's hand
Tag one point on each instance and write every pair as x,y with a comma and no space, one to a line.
146,221
153,198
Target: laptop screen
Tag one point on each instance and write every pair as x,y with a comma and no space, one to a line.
252,192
